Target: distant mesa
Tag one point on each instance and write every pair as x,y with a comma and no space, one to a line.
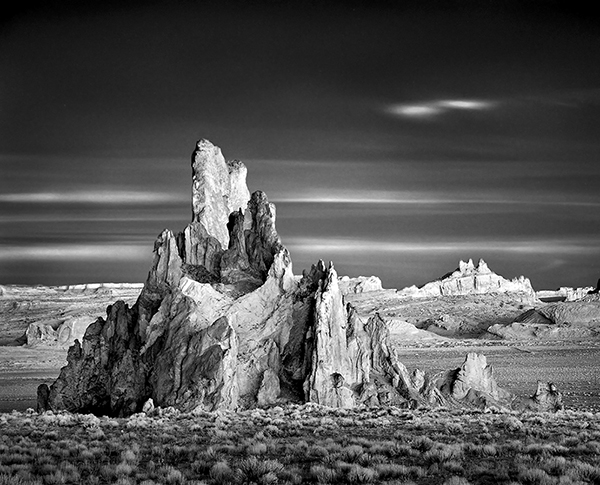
572,315
223,323
469,279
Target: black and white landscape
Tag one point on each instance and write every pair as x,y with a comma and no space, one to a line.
420,307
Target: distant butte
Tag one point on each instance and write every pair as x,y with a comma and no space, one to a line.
223,323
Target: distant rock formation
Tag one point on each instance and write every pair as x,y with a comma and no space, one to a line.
546,398
362,284
62,333
222,323
565,293
555,321
469,279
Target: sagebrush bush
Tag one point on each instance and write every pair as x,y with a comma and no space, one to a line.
299,444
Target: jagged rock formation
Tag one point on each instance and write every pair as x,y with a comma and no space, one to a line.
546,398
223,323
564,293
362,284
61,333
469,279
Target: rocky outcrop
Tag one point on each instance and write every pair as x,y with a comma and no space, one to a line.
473,382
223,323
362,284
564,293
547,398
557,321
218,189
469,279
61,333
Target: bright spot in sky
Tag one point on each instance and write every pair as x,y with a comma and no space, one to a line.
432,108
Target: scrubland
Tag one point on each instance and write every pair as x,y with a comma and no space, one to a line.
301,444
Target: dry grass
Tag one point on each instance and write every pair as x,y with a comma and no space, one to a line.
301,444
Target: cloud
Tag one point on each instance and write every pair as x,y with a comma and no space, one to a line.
433,108
342,245
109,197
416,197
76,252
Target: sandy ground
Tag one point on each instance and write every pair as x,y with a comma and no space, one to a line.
22,370
574,368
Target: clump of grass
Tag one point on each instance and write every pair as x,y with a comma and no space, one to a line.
323,474
360,474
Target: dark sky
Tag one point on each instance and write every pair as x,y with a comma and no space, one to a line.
393,140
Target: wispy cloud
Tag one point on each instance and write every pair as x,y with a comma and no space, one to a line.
112,197
415,197
432,108
76,252
533,246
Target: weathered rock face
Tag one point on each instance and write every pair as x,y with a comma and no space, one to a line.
208,326
546,398
64,335
105,373
473,382
362,284
557,321
222,323
218,189
469,279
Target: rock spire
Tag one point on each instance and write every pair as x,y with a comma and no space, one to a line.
223,323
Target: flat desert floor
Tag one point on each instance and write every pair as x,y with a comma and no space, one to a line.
574,368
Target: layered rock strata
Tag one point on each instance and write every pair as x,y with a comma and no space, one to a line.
223,323
469,279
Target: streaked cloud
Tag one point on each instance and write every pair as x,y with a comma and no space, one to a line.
433,108
76,252
415,197
111,197
532,246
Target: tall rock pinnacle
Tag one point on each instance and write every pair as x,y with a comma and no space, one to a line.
222,323
218,189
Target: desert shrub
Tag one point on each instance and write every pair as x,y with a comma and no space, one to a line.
422,443
359,474
584,471
455,480
170,475
257,449
323,474
555,465
254,470
221,472
513,424
56,478
318,451
123,468
441,452
387,471
535,476
124,481
351,453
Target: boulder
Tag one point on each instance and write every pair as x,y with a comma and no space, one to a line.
43,396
